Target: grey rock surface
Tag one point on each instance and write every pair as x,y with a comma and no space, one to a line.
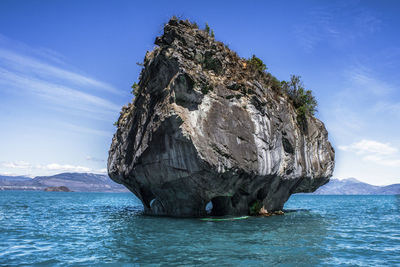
205,127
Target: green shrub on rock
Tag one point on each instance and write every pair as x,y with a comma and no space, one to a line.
135,89
255,208
301,97
256,63
275,84
303,100
207,28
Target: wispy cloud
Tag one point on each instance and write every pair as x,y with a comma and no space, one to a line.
40,52
63,167
37,68
318,27
90,158
26,168
58,100
370,147
364,79
391,162
86,130
374,151
384,106
16,165
57,93
42,73
335,24
363,94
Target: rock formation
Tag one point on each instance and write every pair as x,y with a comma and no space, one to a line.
57,189
205,127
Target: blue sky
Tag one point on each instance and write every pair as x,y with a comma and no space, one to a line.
66,68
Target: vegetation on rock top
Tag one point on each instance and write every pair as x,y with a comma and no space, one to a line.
256,64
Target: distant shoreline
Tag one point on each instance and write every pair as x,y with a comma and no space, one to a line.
77,182
89,182
42,190
128,192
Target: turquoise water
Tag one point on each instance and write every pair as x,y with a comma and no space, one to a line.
75,229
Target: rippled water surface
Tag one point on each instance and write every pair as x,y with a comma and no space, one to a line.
73,229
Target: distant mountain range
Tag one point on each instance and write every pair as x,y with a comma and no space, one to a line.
77,182
89,182
352,186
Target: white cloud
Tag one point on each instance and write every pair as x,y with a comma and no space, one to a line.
12,174
34,67
90,158
26,168
17,165
63,168
363,79
100,171
51,99
42,73
41,52
369,146
86,130
391,107
59,94
383,161
336,24
379,153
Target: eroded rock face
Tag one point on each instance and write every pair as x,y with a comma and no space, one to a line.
205,127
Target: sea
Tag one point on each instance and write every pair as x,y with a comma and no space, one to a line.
109,229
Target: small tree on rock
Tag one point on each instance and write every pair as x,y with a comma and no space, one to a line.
256,63
303,100
135,89
207,28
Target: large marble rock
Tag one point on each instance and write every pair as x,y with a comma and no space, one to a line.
207,128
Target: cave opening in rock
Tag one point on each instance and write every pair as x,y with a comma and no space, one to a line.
220,205
146,196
